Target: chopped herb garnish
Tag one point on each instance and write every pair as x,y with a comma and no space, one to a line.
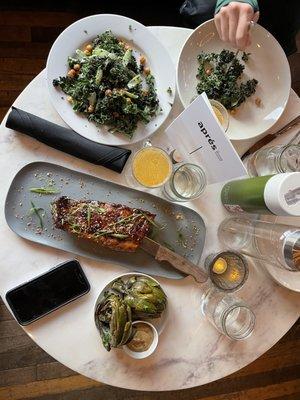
169,91
160,227
88,217
130,28
44,190
100,210
103,233
131,217
36,211
119,235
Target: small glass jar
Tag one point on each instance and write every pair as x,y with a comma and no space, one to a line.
227,270
277,244
187,182
149,167
274,160
229,314
221,113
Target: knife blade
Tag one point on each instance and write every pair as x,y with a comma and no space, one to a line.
268,138
179,262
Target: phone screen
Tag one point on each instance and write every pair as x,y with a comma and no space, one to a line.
47,292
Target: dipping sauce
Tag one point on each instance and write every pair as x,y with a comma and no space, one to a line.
221,113
151,167
218,114
142,338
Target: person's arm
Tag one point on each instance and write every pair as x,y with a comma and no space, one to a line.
232,19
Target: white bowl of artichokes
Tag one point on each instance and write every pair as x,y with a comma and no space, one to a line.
125,300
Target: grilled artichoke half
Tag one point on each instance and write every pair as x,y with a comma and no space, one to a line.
145,297
113,319
137,298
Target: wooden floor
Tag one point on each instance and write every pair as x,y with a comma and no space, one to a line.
26,371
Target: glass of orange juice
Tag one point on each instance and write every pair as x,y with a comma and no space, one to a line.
151,166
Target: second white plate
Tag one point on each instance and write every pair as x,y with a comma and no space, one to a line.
267,63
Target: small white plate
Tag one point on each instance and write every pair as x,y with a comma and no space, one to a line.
142,40
268,64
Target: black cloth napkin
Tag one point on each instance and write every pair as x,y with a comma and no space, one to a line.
67,140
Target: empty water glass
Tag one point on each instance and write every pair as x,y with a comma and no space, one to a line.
187,182
229,314
274,160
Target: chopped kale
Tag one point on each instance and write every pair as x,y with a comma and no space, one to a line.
107,86
245,56
218,76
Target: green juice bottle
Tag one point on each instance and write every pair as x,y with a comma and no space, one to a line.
272,194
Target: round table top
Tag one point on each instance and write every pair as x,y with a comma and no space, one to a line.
190,352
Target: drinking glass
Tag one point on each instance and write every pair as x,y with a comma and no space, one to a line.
149,167
274,160
229,314
187,182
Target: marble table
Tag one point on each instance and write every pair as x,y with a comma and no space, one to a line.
191,352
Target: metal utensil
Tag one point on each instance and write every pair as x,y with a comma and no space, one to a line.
182,264
295,139
268,138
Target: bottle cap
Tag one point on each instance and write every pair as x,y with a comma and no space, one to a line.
291,251
282,194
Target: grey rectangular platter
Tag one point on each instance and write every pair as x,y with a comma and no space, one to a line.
183,228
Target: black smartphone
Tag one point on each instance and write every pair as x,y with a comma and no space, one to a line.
47,292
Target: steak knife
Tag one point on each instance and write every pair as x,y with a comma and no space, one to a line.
268,138
180,263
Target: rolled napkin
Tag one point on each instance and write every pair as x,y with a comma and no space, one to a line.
67,140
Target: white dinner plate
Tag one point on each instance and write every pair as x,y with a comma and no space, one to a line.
268,64
142,41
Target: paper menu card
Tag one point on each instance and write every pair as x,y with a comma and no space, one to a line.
198,136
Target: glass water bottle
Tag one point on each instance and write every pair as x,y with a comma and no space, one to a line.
277,244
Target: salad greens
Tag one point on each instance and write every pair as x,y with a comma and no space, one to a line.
107,84
219,75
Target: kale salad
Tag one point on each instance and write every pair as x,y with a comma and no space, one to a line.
220,74
109,86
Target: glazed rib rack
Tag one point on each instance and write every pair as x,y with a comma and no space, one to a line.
115,226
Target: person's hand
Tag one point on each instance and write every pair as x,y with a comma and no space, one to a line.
233,24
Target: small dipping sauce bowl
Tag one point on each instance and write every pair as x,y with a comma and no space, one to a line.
221,113
143,354
227,270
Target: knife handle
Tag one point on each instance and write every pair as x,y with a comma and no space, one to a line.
182,264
